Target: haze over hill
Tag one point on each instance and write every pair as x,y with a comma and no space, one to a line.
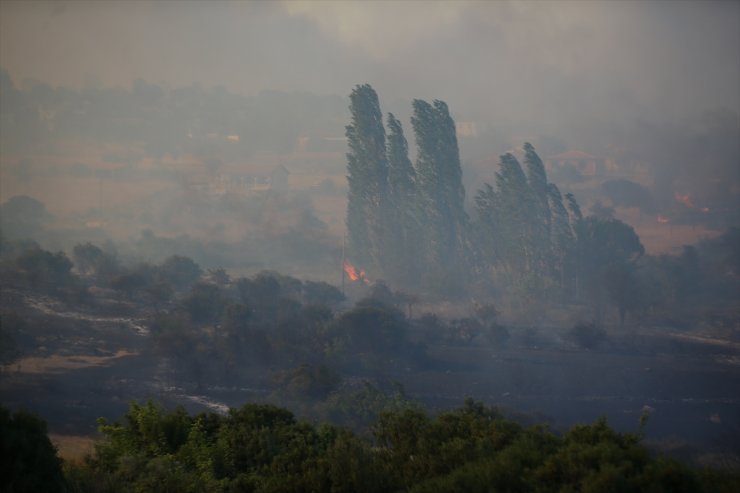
514,62
653,83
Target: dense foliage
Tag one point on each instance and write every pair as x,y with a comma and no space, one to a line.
408,223
262,448
404,220
28,460
525,243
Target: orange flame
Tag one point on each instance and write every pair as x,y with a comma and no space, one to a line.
684,199
663,220
705,210
354,273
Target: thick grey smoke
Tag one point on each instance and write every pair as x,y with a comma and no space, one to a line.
656,79
544,62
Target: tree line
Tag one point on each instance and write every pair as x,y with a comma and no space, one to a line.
408,223
263,448
404,220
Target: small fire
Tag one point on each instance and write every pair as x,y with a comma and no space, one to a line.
705,210
663,220
684,199
354,273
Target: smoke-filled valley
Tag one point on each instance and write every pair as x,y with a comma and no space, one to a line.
323,288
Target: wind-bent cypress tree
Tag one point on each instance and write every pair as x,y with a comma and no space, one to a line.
536,174
367,168
440,187
540,214
562,238
401,173
513,236
576,215
515,206
404,220
487,227
576,224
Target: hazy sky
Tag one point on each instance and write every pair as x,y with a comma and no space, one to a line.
545,60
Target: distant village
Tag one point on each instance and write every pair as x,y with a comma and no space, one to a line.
322,157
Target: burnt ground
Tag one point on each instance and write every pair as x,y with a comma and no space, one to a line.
690,389
81,365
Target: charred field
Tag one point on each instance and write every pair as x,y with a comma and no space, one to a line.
81,364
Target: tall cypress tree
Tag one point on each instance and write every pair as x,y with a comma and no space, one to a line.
401,173
515,207
540,214
525,241
562,238
577,225
367,168
404,222
440,188
536,174
492,235
576,216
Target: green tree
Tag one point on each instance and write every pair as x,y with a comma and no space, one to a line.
367,168
321,293
93,260
204,303
562,237
180,271
28,460
405,215
441,194
505,215
46,270
265,449
573,209
524,234
488,229
575,217
540,222
373,331
128,282
607,247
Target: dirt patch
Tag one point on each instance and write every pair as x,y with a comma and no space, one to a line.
72,448
57,363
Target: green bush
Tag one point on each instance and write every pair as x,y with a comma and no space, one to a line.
263,448
28,460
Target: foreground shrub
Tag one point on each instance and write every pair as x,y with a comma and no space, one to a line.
263,448
28,460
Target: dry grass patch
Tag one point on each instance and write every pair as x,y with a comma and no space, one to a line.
57,363
72,448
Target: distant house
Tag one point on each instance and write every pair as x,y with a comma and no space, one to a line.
246,178
585,164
